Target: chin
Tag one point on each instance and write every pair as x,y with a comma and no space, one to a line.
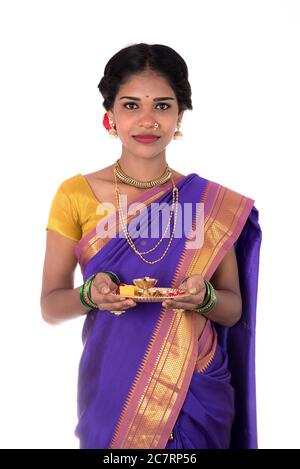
145,152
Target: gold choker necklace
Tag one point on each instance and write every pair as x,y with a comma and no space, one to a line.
142,184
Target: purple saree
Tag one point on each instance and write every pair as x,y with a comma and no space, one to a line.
146,374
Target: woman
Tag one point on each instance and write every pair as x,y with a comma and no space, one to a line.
176,374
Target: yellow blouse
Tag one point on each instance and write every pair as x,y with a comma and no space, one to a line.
73,210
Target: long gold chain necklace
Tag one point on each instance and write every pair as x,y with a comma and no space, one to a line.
175,199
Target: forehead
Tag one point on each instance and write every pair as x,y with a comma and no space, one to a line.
146,85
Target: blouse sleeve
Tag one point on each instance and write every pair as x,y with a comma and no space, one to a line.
63,217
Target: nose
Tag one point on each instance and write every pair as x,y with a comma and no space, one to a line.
147,120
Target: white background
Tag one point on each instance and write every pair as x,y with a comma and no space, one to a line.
243,58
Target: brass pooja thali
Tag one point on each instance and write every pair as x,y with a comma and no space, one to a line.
144,290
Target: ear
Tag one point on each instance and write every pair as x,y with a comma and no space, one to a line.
110,115
180,115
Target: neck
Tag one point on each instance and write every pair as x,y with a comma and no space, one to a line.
143,169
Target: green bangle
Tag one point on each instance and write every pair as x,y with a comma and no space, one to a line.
82,298
89,283
209,303
207,297
210,306
87,300
85,295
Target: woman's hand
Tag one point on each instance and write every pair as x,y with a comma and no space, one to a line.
103,293
196,287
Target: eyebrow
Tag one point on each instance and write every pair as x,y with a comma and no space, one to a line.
163,98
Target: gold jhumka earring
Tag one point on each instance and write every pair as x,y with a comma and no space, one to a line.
178,135
112,132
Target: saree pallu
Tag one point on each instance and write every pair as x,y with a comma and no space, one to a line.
146,375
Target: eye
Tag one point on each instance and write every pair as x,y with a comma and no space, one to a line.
164,104
129,104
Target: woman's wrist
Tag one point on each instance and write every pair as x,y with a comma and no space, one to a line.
85,293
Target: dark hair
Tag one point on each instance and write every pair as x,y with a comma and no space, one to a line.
137,58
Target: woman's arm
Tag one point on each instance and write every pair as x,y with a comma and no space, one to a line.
225,281
59,299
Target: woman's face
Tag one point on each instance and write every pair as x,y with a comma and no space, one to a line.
137,108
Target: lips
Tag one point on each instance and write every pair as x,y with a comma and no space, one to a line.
146,138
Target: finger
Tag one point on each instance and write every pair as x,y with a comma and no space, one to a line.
194,299
99,289
112,298
113,287
104,288
99,298
117,305
194,287
104,284
189,284
179,305
102,294
188,298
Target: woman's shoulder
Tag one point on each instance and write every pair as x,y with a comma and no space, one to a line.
83,189
73,182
